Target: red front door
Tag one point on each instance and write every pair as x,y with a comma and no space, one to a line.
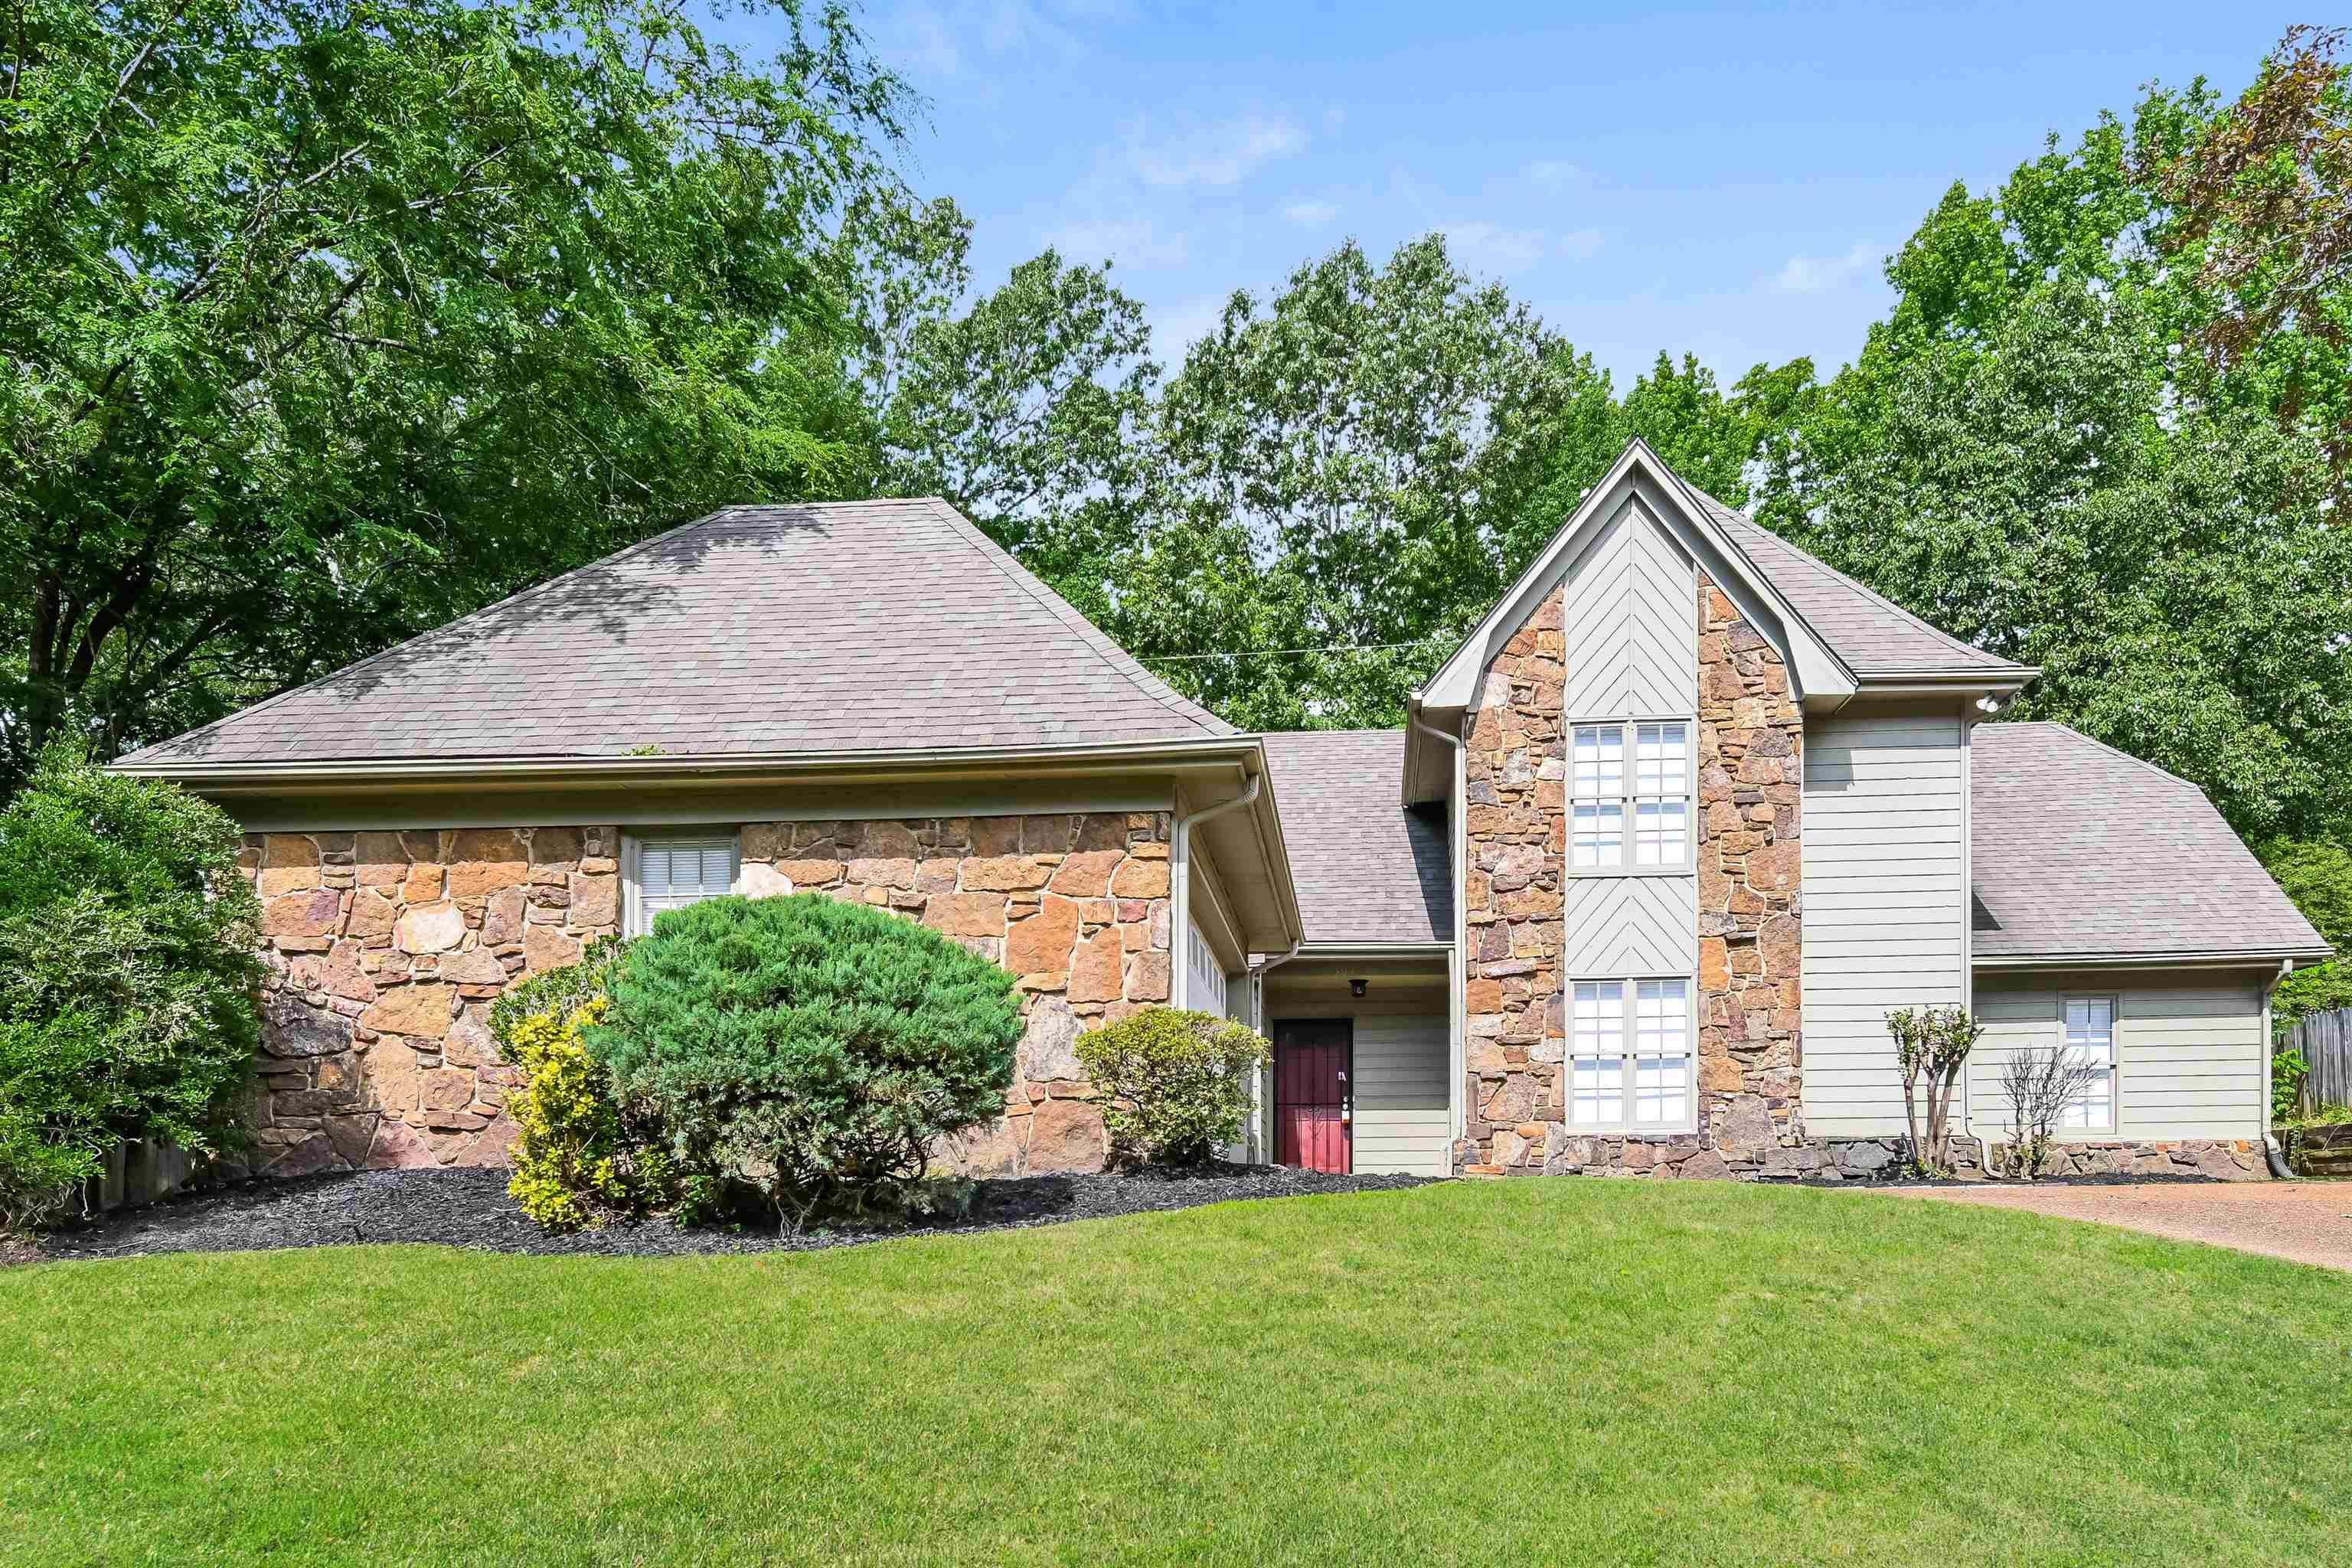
1314,1065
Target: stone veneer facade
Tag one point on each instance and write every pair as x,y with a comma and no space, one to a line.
1750,740
387,948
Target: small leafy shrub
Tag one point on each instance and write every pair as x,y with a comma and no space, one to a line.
1178,1084
128,977
2289,1067
810,1048
1931,1047
578,1162
579,1159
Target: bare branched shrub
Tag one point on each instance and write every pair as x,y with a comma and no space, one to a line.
2041,1085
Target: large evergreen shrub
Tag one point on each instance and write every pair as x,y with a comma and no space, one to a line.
811,1048
1177,1083
127,976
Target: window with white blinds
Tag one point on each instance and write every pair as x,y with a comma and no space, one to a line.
1630,1066
2090,1028
671,873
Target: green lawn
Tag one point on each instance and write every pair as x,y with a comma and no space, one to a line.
1491,1374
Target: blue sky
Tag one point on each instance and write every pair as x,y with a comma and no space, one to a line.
1723,181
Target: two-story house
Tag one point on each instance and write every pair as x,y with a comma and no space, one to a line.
1632,889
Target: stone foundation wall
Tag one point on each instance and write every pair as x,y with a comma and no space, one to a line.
1840,1160
387,948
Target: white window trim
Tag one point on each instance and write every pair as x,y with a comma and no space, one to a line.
1629,797
1629,1046
2114,1123
634,921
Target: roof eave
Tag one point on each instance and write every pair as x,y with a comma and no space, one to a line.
521,773
1958,682
2208,958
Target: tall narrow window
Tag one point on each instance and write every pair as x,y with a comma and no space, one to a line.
1661,1063
1637,818
1598,1059
2090,1028
1599,766
1662,795
1646,1087
669,873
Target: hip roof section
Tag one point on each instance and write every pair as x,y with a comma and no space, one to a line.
2078,850
879,626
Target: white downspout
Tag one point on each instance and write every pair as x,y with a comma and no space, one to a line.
1179,891
1457,812
2273,1157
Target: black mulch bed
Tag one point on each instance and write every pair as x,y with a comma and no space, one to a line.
471,1208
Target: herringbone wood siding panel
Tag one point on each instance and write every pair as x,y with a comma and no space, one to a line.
1630,620
1632,925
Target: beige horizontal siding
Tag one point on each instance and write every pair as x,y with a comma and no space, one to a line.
1400,1123
2190,1056
1884,875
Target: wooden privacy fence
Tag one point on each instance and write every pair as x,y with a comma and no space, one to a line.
2325,1041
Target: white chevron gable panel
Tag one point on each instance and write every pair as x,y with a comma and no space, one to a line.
1631,623
1631,925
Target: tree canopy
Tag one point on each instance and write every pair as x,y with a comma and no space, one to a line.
328,321
324,321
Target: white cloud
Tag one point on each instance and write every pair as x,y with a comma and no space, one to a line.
1819,275
1099,227
1579,244
1550,174
1479,246
962,43
1219,154
1311,215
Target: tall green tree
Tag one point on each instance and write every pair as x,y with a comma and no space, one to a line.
1034,412
2174,570
323,321
1335,472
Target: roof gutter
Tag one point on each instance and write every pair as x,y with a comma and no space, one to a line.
2249,958
526,771
1946,682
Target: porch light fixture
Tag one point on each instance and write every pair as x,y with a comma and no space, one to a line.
1355,987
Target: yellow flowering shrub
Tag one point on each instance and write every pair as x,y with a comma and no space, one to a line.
577,1162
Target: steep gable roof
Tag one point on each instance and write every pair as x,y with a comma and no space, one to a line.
1368,870
840,627
2079,850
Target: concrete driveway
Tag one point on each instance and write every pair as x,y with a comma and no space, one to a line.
2305,1222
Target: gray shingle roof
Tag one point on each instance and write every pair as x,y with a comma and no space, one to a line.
2077,849
855,625
1872,635
1367,870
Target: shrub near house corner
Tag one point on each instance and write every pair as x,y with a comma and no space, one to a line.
811,1048
1178,1082
127,977
581,1159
